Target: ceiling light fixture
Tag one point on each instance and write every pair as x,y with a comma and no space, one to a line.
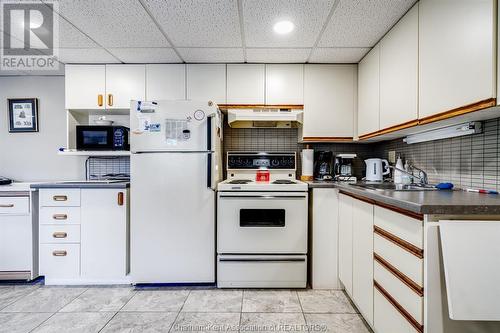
283,27
474,127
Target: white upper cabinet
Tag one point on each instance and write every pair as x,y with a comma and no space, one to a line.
245,83
456,54
165,81
369,92
124,83
285,84
85,86
206,82
399,72
330,99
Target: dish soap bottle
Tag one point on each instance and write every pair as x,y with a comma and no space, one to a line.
398,175
407,179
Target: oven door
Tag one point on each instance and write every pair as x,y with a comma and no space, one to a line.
262,222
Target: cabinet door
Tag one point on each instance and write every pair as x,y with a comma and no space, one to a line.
85,86
369,92
123,84
245,83
206,82
362,258
104,233
165,81
345,242
15,243
398,72
330,97
285,84
456,54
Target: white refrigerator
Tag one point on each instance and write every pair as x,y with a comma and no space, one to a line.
175,167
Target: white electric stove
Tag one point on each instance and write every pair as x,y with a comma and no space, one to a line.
262,225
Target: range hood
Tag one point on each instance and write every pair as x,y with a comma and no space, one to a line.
265,118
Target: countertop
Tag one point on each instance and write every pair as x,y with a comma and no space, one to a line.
15,189
453,202
81,184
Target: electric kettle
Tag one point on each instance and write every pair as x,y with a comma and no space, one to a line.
376,168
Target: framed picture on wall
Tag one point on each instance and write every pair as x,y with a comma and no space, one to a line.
23,115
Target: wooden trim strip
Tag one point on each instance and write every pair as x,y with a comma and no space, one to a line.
417,252
261,106
328,139
408,124
401,310
413,215
459,111
398,274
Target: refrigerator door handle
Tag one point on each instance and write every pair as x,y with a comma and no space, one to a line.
209,170
209,133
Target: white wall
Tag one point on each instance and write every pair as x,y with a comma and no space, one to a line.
33,156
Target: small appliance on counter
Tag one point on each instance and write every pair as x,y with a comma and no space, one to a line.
98,137
323,165
5,181
344,167
376,169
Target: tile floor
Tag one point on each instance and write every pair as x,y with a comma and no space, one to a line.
37,308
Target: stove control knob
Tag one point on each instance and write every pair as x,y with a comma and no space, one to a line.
275,162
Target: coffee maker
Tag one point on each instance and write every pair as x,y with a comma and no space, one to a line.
343,170
323,165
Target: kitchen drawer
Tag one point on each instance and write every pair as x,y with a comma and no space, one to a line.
387,318
60,261
402,226
402,259
60,234
402,293
59,215
60,197
14,205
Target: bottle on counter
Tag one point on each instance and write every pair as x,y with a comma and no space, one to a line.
398,175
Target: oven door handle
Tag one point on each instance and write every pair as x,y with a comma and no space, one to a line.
263,196
262,260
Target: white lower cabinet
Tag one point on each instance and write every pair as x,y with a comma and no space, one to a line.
345,242
59,262
387,318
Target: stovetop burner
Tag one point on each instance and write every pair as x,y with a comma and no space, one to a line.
284,181
240,181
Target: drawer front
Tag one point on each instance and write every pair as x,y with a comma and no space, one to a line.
404,295
60,197
402,226
60,234
60,261
14,205
59,215
387,318
405,261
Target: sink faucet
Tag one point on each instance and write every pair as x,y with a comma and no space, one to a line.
422,175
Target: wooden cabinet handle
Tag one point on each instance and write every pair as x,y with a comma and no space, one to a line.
110,99
6,205
100,100
59,234
60,197
60,216
59,253
120,198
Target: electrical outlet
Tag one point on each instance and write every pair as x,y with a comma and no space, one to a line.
392,156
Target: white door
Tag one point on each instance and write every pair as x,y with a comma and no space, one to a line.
362,258
15,242
172,226
369,92
104,233
206,82
85,86
345,242
330,99
284,84
165,81
123,84
245,83
399,72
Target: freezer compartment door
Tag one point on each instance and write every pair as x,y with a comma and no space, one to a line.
172,219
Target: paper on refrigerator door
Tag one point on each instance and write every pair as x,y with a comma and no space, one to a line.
146,107
176,130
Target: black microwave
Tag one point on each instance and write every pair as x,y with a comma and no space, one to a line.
102,137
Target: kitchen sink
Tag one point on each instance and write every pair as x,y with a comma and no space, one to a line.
394,187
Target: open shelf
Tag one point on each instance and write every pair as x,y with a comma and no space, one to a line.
74,152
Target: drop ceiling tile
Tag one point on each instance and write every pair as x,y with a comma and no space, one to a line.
338,55
206,55
362,23
259,17
278,55
70,37
114,23
145,55
200,23
85,56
